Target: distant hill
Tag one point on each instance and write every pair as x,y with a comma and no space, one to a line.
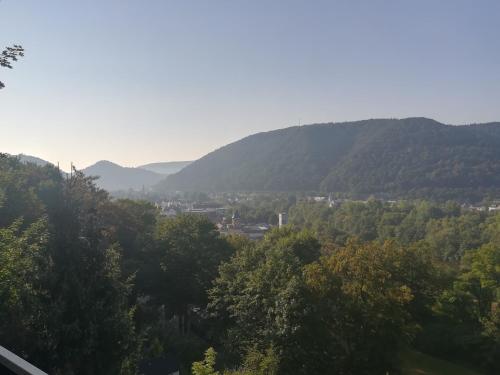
113,177
166,168
389,157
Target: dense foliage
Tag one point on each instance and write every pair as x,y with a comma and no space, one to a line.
413,157
456,264
91,285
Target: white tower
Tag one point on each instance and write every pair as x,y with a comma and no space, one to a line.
282,219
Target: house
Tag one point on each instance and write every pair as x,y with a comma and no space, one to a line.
319,199
251,231
476,208
170,213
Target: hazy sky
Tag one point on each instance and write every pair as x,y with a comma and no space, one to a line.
157,80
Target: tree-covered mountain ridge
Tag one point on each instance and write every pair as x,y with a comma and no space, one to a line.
385,157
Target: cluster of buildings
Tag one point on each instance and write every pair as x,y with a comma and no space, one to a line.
236,227
251,231
329,200
490,208
173,208
226,225
335,202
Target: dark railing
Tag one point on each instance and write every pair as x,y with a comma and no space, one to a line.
12,364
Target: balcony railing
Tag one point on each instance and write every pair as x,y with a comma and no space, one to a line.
16,365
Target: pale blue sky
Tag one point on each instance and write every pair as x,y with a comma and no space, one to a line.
159,80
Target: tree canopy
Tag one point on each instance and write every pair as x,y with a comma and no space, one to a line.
95,285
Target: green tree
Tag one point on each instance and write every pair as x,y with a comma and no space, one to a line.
23,262
360,296
189,252
451,237
259,294
469,309
206,367
91,325
254,363
61,270
27,190
257,362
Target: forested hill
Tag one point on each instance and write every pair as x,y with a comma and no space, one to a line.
165,168
412,157
114,177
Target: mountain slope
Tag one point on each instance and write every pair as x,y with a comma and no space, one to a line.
113,177
32,159
414,156
165,168
288,159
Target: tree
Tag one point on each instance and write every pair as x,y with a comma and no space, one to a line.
189,251
360,316
258,297
132,224
206,367
8,56
27,190
90,319
63,292
469,312
255,363
451,237
346,312
23,263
